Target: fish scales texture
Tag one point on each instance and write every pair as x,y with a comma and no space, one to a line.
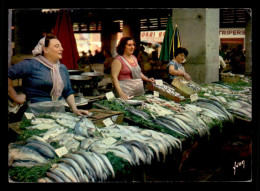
138,113
59,115
54,132
42,149
43,126
52,149
172,123
36,120
131,151
66,122
103,166
159,122
100,171
54,177
82,126
73,172
192,127
25,163
93,165
82,163
60,174
119,153
107,163
26,153
66,171
76,167
219,106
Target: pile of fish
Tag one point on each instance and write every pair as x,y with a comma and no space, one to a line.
169,90
185,120
237,102
134,144
87,145
80,166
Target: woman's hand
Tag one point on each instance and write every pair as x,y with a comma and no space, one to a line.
151,80
124,96
187,76
20,98
81,112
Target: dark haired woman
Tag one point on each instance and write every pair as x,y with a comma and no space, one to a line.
127,77
175,67
44,78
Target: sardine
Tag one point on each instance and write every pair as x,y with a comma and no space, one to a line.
60,174
82,163
139,113
107,163
67,171
54,177
76,167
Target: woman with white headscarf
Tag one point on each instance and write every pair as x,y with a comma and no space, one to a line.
44,78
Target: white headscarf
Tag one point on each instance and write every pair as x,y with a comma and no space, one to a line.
39,47
58,84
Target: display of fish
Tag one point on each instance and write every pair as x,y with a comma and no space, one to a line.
83,126
87,160
25,154
53,132
169,90
138,112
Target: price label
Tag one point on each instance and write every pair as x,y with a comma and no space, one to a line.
28,115
110,96
194,97
107,122
156,93
159,82
61,151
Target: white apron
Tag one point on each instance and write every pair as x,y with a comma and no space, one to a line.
135,86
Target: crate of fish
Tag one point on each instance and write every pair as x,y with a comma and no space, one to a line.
166,91
230,78
184,87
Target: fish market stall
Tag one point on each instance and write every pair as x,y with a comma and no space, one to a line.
61,147
123,140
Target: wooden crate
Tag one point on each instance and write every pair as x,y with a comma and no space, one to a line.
229,78
163,93
99,115
182,88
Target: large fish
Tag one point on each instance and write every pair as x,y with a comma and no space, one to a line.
139,113
82,126
23,153
53,132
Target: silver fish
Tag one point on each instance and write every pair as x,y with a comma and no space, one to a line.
54,177
83,164
60,174
76,167
82,126
24,153
67,171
